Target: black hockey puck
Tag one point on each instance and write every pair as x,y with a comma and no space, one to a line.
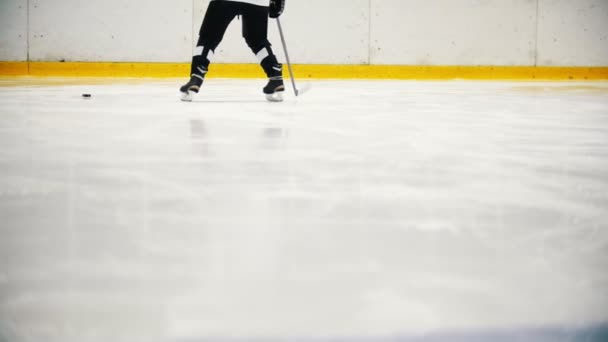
86,95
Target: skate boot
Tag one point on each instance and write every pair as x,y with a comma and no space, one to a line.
274,89
191,88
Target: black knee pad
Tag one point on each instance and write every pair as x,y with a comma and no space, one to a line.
200,60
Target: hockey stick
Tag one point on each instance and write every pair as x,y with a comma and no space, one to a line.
293,82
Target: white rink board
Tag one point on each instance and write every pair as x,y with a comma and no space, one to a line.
13,30
584,42
403,32
455,32
110,30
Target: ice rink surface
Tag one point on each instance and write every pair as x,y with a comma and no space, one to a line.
361,211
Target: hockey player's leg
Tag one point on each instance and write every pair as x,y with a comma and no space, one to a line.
217,18
274,71
255,32
198,71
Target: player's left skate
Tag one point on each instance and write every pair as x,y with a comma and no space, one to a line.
191,88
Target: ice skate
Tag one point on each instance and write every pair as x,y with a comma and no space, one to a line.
191,88
274,89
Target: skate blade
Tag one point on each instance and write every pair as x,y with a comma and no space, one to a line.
276,97
186,97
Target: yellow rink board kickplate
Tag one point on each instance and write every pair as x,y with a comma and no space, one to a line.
399,72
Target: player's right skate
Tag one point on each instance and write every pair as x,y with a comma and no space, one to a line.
191,88
274,89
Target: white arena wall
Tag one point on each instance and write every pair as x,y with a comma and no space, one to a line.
351,32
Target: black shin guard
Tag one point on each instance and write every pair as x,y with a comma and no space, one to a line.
200,61
199,66
269,62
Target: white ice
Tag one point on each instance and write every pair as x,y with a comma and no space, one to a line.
361,210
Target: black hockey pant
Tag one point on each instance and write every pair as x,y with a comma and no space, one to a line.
255,31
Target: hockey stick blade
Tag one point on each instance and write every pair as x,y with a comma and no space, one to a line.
304,89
